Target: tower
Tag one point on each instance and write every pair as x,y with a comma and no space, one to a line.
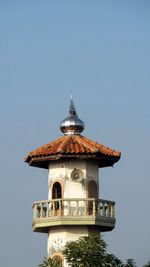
73,208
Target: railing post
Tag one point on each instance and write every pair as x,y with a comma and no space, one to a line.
77,207
112,210
109,210
98,208
94,207
53,207
34,211
104,210
85,206
69,209
59,207
47,208
41,210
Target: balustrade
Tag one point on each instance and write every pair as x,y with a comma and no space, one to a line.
74,207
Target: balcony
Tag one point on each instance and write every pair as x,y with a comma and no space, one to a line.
58,212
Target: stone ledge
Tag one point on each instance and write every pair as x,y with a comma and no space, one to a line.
43,224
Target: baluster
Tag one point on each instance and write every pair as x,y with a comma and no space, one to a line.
77,207
85,207
94,208
54,207
104,210
38,210
98,208
69,208
113,211
62,207
41,210
47,209
59,206
34,211
109,210
51,207
101,208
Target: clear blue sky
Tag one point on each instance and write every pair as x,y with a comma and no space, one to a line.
99,51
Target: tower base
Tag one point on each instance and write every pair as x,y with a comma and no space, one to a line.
59,236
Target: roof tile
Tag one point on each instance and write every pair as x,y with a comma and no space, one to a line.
74,145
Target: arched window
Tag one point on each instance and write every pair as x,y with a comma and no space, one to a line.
92,190
92,193
57,261
56,191
57,194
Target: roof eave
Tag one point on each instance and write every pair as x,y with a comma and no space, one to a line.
43,161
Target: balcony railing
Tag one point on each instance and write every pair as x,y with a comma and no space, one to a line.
70,211
73,207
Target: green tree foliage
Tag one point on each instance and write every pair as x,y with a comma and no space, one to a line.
147,265
111,260
49,262
90,251
87,251
130,263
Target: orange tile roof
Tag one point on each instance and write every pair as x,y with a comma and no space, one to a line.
72,146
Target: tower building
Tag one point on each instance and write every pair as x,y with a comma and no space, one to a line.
74,207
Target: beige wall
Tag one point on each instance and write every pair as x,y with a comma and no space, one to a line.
61,172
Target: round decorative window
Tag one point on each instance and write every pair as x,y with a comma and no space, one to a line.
77,175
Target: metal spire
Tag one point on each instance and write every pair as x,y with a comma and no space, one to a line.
72,109
72,124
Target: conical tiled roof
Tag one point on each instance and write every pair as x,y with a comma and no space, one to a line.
72,146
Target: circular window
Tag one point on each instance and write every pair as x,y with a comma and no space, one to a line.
77,175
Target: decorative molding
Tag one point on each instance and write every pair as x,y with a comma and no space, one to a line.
58,178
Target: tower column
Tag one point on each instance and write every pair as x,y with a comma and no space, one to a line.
73,208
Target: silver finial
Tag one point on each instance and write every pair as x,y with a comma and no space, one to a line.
72,109
72,124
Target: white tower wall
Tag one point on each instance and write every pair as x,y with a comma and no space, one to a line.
61,172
